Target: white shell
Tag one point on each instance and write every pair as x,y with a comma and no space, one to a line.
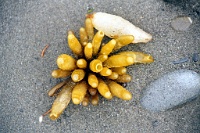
114,26
41,119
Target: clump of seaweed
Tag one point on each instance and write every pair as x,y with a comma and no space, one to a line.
94,71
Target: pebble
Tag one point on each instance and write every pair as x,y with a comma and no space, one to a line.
182,60
171,90
195,57
181,23
124,85
155,123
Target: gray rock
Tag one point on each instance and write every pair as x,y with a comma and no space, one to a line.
195,57
182,60
181,23
171,90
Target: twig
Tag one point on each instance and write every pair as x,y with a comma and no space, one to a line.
43,51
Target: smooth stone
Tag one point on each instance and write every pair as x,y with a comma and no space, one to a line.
195,57
181,23
182,60
171,90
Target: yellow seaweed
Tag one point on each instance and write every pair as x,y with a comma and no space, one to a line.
124,78
74,44
105,72
96,65
120,70
138,57
92,80
62,100
66,62
83,36
104,90
119,91
118,61
108,48
79,92
123,41
77,75
96,42
81,63
89,28
88,51
59,73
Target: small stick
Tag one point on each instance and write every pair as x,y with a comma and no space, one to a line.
46,112
43,51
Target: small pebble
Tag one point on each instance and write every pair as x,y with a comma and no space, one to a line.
21,110
182,60
171,90
155,123
124,85
181,23
41,119
195,57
